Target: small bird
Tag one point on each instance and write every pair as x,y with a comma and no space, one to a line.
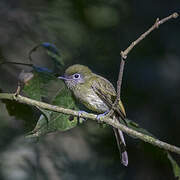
98,95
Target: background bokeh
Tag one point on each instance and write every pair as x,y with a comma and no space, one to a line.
92,33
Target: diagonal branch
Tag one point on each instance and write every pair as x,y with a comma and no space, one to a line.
105,119
133,44
152,28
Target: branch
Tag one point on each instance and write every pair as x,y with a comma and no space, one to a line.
119,82
133,44
105,119
152,28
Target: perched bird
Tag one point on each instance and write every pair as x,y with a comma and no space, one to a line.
97,94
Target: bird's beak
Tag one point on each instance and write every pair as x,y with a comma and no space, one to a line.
63,78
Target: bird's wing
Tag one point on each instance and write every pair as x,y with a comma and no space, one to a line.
105,90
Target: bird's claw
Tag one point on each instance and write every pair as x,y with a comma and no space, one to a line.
79,114
101,115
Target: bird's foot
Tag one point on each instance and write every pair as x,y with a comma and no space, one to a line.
99,116
79,114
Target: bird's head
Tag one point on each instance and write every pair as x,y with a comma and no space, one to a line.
75,75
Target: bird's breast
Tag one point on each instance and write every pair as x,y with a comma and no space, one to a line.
90,99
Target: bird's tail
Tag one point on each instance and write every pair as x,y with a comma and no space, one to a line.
119,135
121,146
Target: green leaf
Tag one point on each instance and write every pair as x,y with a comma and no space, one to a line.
54,90
57,58
176,168
22,112
36,88
56,121
160,152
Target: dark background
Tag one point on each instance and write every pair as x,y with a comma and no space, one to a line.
93,33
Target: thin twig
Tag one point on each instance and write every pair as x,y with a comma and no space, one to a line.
105,119
16,63
133,44
153,27
119,82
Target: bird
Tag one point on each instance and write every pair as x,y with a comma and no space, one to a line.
97,94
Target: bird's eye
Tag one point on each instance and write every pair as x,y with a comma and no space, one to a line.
76,76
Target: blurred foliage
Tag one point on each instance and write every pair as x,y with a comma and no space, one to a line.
39,86
91,33
35,87
53,52
52,121
176,168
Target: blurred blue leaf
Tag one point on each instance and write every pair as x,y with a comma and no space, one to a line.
52,51
50,47
41,69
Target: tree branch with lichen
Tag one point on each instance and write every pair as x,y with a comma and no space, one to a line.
91,116
106,119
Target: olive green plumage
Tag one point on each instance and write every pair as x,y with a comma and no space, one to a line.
98,95
93,88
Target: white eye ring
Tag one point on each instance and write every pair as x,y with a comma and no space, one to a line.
76,76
